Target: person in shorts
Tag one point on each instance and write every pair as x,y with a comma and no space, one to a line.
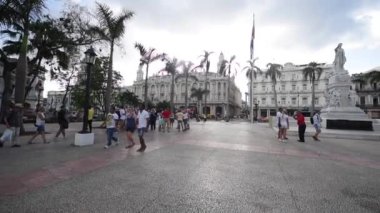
180,116
284,124
317,123
142,123
12,123
130,126
111,124
40,124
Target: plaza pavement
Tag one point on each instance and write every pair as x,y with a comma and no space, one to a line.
214,167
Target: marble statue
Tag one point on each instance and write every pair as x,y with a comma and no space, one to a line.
340,58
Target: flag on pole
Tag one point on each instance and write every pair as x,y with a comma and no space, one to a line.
252,37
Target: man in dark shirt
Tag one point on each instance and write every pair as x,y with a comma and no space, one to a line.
301,125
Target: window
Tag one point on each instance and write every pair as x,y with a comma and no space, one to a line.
294,76
283,101
374,86
304,87
316,86
362,100
272,101
263,101
316,101
263,88
283,87
294,101
304,101
293,87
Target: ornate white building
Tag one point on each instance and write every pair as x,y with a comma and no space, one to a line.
159,90
293,91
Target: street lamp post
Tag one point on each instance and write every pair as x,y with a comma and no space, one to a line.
89,59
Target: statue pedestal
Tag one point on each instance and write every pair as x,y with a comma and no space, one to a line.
340,112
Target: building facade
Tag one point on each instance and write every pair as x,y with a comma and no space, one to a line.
293,91
368,94
159,90
55,98
35,91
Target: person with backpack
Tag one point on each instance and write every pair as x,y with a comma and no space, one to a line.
62,121
316,121
12,123
301,125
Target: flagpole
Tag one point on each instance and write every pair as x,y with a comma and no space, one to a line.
251,76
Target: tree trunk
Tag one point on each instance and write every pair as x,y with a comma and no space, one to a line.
146,87
186,81
172,94
7,76
109,81
228,94
206,87
251,96
275,96
35,75
312,97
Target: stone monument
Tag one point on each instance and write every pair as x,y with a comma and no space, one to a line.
340,111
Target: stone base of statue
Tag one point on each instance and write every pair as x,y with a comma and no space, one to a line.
340,112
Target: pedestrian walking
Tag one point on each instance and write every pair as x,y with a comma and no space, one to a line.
278,117
186,120
286,130
317,123
301,125
111,124
153,119
166,116
130,126
63,122
172,119
161,123
284,124
179,116
142,122
12,124
123,113
90,117
40,124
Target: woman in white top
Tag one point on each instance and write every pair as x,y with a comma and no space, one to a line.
40,124
283,124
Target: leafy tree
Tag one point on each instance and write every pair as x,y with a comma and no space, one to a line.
274,72
128,98
19,14
373,76
98,85
312,72
147,57
198,93
206,62
225,69
162,105
251,73
171,68
186,70
111,29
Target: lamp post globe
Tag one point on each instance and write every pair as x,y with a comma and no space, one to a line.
89,59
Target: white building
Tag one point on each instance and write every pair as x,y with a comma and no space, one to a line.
159,90
54,100
35,91
293,91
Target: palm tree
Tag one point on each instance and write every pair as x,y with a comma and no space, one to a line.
225,69
171,68
111,29
273,73
18,14
312,72
198,93
186,70
147,56
206,62
252,72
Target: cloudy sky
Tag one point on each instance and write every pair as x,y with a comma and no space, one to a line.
297,31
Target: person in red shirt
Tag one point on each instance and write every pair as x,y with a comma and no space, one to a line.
166,116
301,125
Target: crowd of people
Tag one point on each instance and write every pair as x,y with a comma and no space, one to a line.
282,121
118,120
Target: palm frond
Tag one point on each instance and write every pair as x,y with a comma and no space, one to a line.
141,49
105,15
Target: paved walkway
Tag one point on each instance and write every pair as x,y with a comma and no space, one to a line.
215,167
